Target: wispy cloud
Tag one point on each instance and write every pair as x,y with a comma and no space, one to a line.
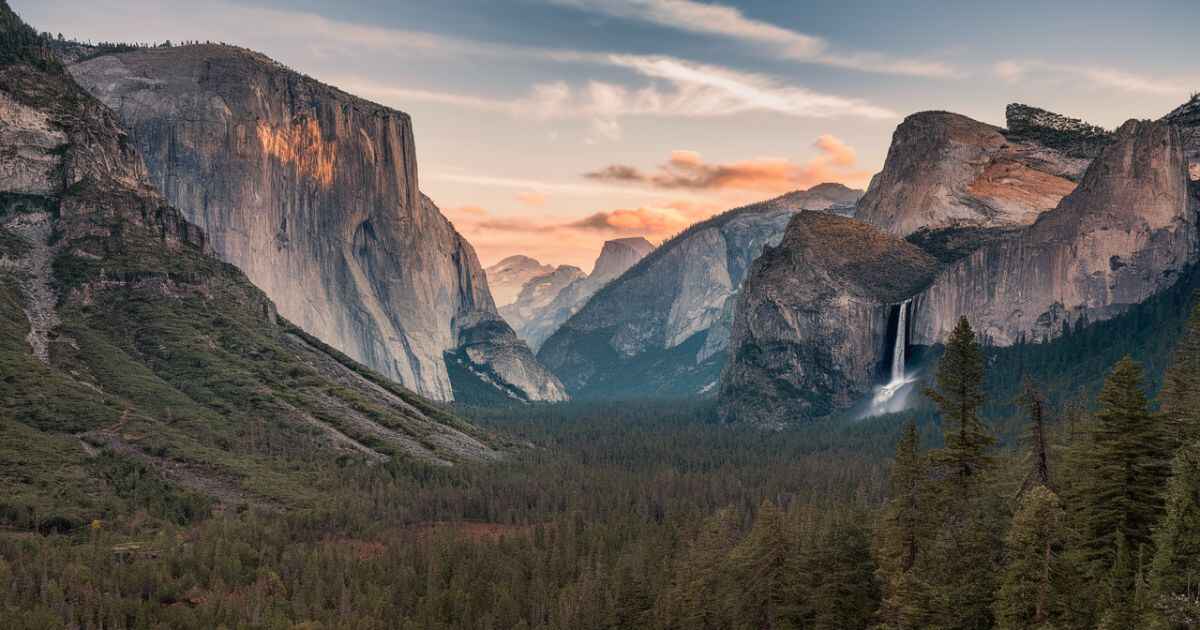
730,22
683,89
686,170
1014,71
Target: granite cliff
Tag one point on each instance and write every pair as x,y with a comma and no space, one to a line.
1123,235
944,170
547,301
313,193
813,316
807,331
662,327
124,342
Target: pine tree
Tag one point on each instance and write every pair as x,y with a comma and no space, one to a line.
1175,576
958,396
770,578
1180,396
846,594
1029,588
965,522
1035,405
898,543
1127,468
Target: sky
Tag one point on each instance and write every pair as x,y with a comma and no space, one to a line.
545,127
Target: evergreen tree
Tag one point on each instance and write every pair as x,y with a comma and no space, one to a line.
769,589
898,543
1180,396
966,522
1035,405
1030,587
846,594
1127,468
958,396
1175,576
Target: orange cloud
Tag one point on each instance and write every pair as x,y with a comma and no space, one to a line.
835,162
532,198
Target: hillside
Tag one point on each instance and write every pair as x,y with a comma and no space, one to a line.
138,371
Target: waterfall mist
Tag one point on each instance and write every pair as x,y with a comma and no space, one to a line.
893,395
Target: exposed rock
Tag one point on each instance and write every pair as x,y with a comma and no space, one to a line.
507,277
945,170
536,324
1122,236
617,256
1187,117
313,193
662,326
538,293
119,328
811,320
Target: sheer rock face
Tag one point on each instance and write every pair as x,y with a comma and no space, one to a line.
313,194
1187,117
507,277
536,324
811,321
663,325
86,235
1122,236
945,170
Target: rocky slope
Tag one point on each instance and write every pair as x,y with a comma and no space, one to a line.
313,193
945,170
124,343
536,318
812,319
507,277
1122,236
663,326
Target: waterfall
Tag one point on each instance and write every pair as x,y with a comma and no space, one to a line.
901,342
893,396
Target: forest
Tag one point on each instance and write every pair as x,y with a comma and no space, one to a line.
650,514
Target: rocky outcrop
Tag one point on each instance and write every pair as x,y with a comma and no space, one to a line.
1187,118
1122,236
507,277
945,170
662,326
811,321
313,193
537,321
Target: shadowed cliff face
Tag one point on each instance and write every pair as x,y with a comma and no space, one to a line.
945,170
1121,237
810,325
663,326
313,193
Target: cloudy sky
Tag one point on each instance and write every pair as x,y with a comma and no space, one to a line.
545,127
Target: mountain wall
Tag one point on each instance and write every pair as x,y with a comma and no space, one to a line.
1122,236
811,321
662,327
945,170
536,318
125,342
507,277
313,193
